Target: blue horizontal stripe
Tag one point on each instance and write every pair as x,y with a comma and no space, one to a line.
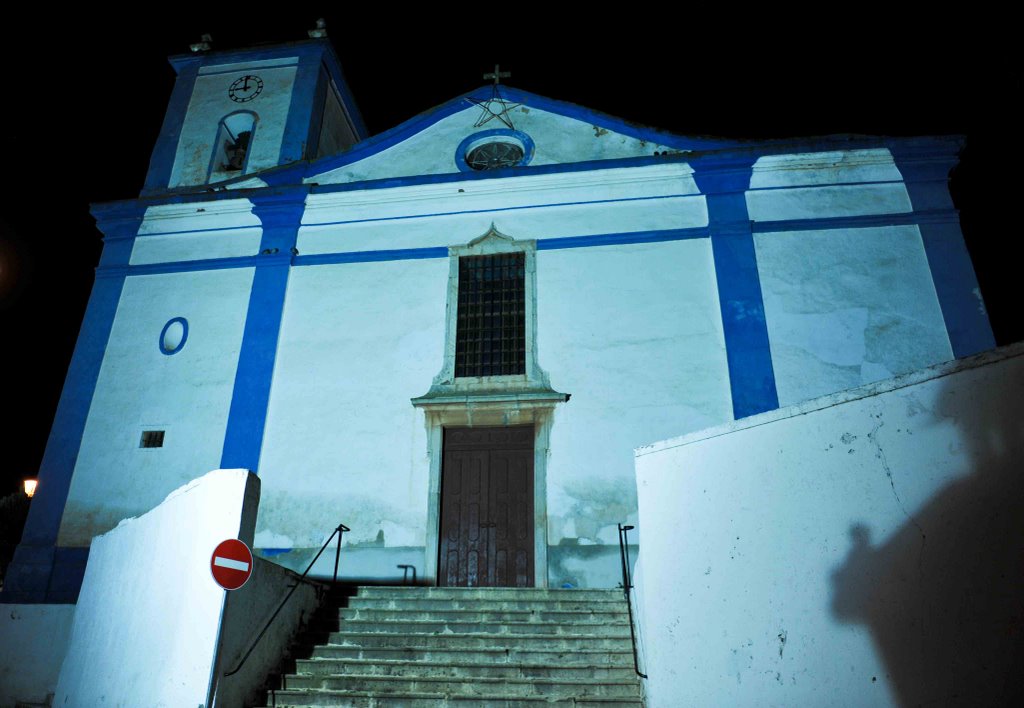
190,266
550,244
445,177
399,254
284,63
298,49
788,187
256,227
822,224
855,222
499,209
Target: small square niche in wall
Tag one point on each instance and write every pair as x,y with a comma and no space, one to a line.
152,438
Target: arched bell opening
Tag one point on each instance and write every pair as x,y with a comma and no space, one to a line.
233,146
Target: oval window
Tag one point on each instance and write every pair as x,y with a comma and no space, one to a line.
494,155
173,335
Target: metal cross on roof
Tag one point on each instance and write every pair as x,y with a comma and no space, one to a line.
498,75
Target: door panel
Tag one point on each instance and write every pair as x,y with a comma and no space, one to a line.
487,507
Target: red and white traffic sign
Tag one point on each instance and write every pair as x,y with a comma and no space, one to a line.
231,564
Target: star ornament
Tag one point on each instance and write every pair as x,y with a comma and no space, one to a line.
494,107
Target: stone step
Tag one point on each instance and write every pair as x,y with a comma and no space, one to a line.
443,686
546,642
483,605
529,594
413,647
453,669
604,615
495,656
364,699
399,626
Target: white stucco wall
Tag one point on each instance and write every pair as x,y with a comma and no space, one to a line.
33,641
342,442
860,549
824,168
147,623
820,202
634,334
188,232
826,185
654,198
186,394
846,307
210,103
171,248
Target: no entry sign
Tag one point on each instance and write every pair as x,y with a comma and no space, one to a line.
231,564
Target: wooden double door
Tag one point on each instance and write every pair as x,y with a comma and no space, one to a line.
487,524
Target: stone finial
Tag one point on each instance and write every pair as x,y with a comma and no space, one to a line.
204,44
320,31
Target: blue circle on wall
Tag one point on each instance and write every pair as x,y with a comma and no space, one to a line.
518,138
173,336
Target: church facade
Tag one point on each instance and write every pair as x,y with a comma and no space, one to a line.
451,336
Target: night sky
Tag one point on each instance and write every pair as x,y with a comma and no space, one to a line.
84,97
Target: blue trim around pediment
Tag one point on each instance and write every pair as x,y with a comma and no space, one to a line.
419,123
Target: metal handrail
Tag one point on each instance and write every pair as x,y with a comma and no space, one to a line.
627,585
405,573
342,528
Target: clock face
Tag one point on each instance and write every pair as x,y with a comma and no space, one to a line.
246,88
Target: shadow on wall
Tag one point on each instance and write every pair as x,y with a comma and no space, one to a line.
944,596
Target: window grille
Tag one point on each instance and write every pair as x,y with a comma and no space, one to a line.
490,337
152,438
494,155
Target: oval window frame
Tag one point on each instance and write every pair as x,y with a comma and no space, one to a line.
471,142
163,333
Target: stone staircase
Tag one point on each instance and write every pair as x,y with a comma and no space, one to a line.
483,647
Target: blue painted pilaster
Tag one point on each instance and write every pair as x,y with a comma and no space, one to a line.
316,120
162,161
280,215
724,182
301,111
41,571
925,165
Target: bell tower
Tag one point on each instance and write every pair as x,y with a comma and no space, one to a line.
236,112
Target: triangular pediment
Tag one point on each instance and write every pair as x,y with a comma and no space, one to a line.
546,132
492,237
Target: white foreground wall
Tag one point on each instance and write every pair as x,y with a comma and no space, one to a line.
146,628
859,549
33,640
